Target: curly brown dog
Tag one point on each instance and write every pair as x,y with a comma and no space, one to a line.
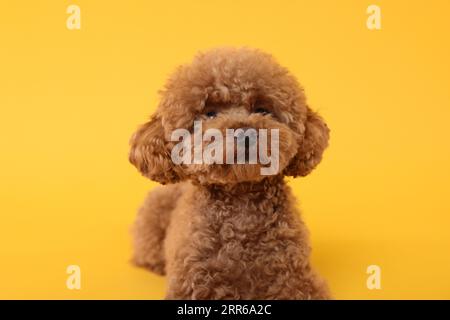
222,231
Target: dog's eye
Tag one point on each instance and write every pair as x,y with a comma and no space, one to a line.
262,111
211,114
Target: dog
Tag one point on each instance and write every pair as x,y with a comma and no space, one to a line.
225,231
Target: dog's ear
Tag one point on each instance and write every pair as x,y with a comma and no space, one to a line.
311,147
150,154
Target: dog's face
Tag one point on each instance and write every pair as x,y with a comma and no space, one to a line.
227,89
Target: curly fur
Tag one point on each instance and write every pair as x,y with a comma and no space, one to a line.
225,231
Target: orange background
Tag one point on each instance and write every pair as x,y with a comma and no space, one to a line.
71,99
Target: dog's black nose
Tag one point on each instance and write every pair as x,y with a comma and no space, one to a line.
247,136
247,143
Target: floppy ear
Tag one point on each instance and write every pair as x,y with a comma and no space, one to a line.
311,147
149,152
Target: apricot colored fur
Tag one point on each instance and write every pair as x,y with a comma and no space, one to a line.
226,231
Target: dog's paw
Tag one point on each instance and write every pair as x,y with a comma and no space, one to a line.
157,267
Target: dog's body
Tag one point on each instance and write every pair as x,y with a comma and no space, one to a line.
245,242
225,231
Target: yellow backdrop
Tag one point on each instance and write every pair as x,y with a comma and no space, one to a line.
70,100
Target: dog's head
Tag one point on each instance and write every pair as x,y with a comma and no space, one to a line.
229,89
